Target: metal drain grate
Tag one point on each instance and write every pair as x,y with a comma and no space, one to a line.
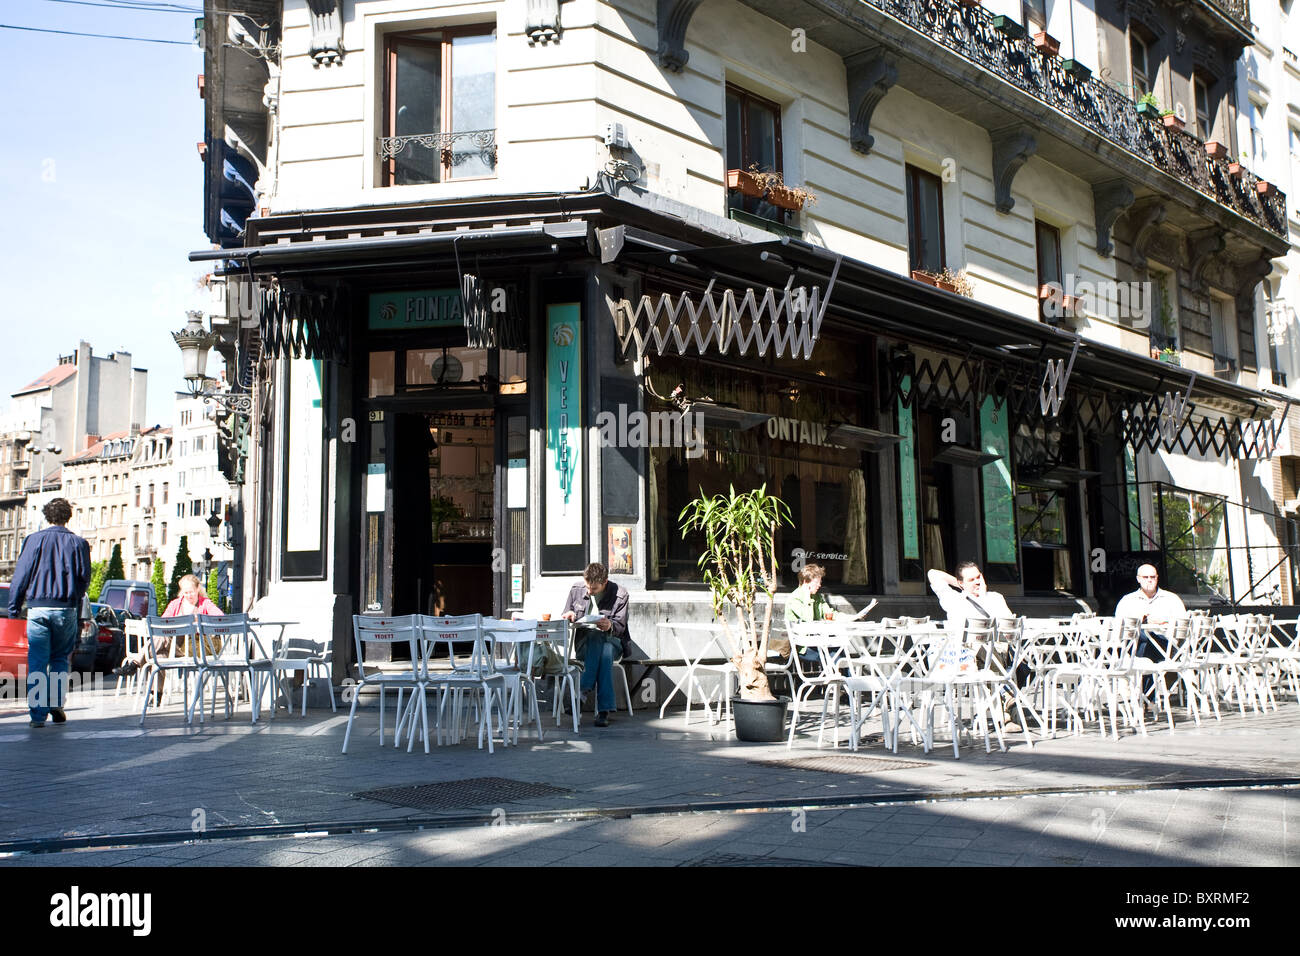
736,859
830,764
457,794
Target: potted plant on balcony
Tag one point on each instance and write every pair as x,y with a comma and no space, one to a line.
958,282
774,189
1169,355
1266,190
969,3
1216,150
1172,120
1046,44
1235,169
1148,106
1076,69
743,182
740,568
1009,27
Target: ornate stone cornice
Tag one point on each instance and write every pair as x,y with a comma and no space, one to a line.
672,17
326,31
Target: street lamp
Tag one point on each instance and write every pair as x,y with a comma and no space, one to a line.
195,342
49,449
214,525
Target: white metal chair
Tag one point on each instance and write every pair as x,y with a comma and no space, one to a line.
472,678
513,645
388,632
225,647
135,632
174,630
558,634
831,641
301,655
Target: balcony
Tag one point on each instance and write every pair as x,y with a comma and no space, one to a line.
969,31
475,149
1235,14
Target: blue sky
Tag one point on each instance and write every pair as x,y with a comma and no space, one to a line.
102,190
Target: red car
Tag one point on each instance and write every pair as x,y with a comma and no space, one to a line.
13,642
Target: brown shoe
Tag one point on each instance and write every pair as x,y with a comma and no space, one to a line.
58,715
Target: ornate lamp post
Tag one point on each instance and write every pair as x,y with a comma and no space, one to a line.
194,341
49,449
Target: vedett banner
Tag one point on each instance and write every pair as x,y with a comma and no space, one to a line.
563,479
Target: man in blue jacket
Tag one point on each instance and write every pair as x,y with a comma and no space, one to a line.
51,577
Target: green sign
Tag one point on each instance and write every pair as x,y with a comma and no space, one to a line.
907,478
563,424
420,309
999,498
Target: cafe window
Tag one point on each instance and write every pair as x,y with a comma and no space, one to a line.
753,140
924,221
784,445
439,106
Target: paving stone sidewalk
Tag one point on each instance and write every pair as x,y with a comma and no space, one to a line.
101,774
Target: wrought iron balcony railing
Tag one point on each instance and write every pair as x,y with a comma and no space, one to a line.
1238,11
482,143
969,31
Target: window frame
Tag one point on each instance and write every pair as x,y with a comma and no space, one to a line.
445,36
1039,226
751,204
1201,85
1148,81
913,176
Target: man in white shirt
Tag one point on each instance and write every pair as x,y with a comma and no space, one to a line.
967,597
1150,605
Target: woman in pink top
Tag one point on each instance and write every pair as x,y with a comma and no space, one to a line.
191,601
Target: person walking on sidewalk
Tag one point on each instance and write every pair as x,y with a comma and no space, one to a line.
51,578
603,640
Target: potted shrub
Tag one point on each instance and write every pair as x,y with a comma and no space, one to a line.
772,187
1265,189
1170,355
1216,150
1047,44
1235,170
1171,120
740,568
1148,106
1076,70
947,280
1009,27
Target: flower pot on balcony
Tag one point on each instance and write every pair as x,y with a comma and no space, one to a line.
744,182
1216,150
1150,110
1047,44
1235,170
1076,70
1171,121
1169,357
929,278
969,3
1008,27
1265,190
783,197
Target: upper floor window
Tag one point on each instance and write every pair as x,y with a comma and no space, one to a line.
924,221
753,141
1141,69
137,496
439,106
1048,240
1223,336
1201,97
164,493
1034,15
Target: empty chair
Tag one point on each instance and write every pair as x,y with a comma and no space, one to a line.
387,632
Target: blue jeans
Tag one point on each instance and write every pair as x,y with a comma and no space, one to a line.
51,637
598,655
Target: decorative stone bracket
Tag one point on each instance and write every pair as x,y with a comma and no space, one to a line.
326,31
542,23
1110,200
672,17
870,75
1205,247
1146,222
1012,148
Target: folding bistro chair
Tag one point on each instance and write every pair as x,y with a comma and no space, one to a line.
386,632
225,648
301,655
174,629
472,679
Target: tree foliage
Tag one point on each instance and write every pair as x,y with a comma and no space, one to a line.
182,567
115,572
159,581
98,574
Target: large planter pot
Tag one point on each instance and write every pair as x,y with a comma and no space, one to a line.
783,197
1047,44
760,721
1149,110
1008,27
1076,70
1216,150
1172,122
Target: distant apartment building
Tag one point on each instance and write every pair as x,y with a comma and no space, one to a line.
201,489
14,466
149,511
97,483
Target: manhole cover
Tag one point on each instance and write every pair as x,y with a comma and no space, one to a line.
736,859
830,764
456,794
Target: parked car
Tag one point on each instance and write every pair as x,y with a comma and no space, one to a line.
13,642
101,644
130,598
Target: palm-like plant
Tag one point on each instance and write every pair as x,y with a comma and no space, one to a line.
739,565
